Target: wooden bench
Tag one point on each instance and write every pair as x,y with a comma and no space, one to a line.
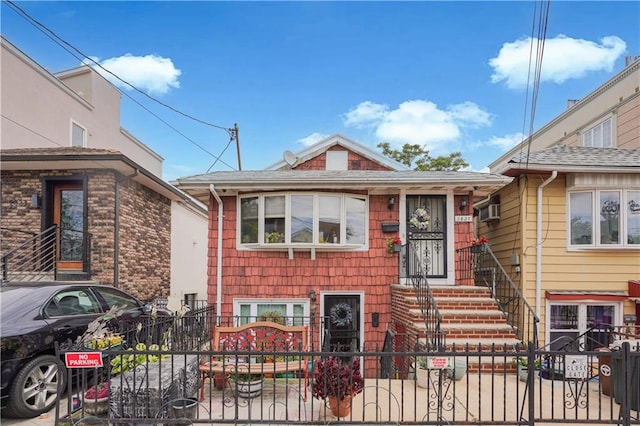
287,345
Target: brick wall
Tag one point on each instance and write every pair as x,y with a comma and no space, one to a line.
145,226
145,241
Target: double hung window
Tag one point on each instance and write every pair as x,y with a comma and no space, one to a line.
599,136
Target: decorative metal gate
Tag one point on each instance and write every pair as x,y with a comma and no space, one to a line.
426,230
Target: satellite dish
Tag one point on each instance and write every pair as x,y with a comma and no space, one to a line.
290,158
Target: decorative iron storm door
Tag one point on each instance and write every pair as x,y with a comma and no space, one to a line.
426,230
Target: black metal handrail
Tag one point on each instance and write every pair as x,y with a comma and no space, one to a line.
478,265
411,269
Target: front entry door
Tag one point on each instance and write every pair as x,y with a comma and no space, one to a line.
426,231
342,322
68,214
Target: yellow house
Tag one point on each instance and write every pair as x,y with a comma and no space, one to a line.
569,231
567,228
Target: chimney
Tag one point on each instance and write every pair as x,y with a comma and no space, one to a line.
628,60
572,102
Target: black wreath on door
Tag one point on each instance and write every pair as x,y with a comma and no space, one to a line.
340,314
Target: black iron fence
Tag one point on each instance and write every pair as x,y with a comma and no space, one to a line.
477,265
390,385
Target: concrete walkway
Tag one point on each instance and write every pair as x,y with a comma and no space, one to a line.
475,398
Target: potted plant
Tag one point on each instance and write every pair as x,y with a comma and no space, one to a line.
479,245
249,385
522,364
96,399
422,373
337,379
273,316
394,245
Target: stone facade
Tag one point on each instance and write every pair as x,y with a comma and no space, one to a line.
144,222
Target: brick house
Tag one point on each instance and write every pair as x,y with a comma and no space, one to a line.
67,162
308,236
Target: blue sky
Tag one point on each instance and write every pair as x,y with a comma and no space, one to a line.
450,76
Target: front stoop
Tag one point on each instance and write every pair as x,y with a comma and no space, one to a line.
471,320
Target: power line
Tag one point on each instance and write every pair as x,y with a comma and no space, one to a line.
233,132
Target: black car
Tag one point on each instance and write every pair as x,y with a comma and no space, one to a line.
36,315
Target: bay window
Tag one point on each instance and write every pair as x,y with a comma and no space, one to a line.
604,218
303,220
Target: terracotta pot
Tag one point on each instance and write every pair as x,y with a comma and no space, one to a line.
340,408
220,381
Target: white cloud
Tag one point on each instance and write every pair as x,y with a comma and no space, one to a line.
365,114
150,73
564,58
418,122
311,139
506,142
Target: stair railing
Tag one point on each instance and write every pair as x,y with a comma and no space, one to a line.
478,265
412,270
35,255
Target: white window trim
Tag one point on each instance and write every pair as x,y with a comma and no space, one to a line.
595,203
591,128
84,133
582,305
261,245
289,302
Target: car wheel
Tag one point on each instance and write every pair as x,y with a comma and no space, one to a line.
35,387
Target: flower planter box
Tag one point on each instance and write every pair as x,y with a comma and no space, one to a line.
479,248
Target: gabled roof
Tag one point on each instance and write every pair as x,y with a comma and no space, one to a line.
575,159
372,181
77,158
337,139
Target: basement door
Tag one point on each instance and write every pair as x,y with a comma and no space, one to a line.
426,231
341,323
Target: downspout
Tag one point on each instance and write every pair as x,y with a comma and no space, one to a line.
554,174
219,252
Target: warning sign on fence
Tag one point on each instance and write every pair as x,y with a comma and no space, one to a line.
439,362
83,359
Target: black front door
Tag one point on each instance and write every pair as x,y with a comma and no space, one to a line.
341,323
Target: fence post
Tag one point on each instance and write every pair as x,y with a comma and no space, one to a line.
625,375
531,381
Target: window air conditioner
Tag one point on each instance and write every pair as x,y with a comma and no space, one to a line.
490,212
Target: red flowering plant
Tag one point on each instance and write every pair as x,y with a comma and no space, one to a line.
480,240
391,242
337,377
99,391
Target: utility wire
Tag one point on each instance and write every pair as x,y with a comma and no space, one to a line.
539,39
66,46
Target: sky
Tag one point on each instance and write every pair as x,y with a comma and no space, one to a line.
447,75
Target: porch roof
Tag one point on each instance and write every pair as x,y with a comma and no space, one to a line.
375,182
